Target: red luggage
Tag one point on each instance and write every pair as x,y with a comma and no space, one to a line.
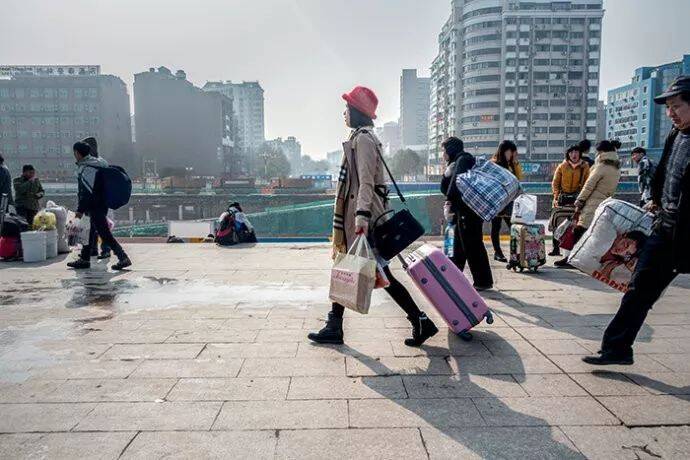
9,247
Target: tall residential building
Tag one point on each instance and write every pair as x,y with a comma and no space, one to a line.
521,70
248,103
180,126
632,116
389,135
45,109
601,120
414,109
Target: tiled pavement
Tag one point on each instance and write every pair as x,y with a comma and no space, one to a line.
201,352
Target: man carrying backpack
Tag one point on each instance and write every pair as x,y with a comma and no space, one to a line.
91,202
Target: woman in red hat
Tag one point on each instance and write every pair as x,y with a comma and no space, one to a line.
361,197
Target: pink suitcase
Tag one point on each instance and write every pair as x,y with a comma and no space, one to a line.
446,287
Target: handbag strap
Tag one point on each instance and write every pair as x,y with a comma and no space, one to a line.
395,184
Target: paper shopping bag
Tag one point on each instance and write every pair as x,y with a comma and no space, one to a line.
353,277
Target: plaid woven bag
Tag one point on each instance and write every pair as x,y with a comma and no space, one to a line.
487,188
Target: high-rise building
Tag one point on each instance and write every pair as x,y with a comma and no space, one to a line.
248,103
631,114
389,135
518,70
414,109
45,109
180,126
601,120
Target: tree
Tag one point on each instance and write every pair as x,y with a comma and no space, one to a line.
271,162
407,163
310,166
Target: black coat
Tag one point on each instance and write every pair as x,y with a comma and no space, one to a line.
681,232
463,163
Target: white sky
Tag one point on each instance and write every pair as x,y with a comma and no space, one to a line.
305,53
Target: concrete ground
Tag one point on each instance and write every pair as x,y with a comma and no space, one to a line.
201,351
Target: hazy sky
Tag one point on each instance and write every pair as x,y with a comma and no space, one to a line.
305,53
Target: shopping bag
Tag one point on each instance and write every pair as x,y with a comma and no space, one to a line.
524,209
565,235
353,277
78,229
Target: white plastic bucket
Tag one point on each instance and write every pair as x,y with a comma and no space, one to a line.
51,243
34,246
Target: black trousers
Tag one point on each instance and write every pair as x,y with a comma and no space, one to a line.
27,214
397,291
99,227
653,274
496,232
469,249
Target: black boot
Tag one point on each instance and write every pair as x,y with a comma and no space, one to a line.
422,329
79,264
609,358
331,333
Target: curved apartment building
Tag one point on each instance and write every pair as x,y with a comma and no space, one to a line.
527,71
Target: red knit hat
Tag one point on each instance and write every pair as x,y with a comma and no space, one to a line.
364,100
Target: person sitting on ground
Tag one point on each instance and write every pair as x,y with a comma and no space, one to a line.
91,203
645,173
507,157
601,184
28,191
568,180
468,242
361,197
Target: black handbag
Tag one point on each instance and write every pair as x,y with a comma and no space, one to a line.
567,199
397,233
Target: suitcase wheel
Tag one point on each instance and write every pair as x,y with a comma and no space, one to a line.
465,336
489,318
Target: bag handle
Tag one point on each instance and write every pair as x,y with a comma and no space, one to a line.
359,244
395,184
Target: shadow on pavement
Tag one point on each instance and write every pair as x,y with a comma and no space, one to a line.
525,437
648,383
542,313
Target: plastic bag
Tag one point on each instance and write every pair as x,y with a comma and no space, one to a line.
44,220
353,277
449,240
524,209
78,229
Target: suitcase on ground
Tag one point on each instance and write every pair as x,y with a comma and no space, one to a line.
9,247
447,289
527,247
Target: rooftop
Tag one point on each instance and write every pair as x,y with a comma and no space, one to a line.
201,351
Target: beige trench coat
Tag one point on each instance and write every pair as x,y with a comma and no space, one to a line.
364,173
601,184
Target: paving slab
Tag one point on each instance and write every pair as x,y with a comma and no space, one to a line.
188,368
247,445
237,389
154,351
544,411
498,442
282,415
461,386
649,410
384,444
574,364
67,446
86,369
602,383
360,366
26,418
147,416
674,383
346,388
399,413
113,390
549,385
293,367
674,362
249,350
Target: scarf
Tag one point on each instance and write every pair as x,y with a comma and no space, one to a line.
339,242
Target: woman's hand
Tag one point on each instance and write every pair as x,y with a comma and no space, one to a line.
362,229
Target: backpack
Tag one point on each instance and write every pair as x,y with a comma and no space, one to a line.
226,235
115,185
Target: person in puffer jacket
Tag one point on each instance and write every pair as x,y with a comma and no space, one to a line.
91,203
601,184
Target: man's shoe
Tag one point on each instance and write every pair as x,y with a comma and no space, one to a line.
479,287
79,264
332,333
105,255
500,258
122,264
555,253
607,359
563,263
422,329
